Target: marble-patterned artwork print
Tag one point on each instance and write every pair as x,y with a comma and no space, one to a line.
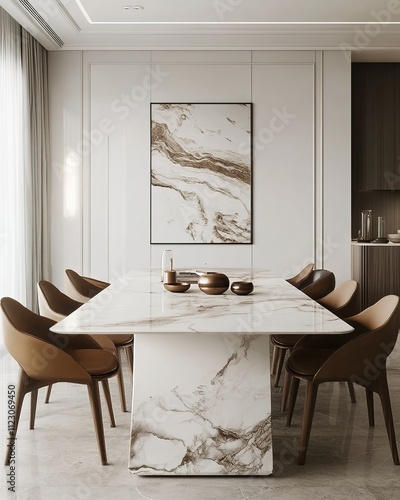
201,173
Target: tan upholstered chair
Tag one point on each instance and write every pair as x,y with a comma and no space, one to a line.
82,288
57,305
322,283
376,331
303,278
343,302
46,358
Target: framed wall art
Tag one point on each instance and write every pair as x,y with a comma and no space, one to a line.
201,173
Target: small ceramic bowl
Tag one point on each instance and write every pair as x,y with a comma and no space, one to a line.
394,238
177,287
242,287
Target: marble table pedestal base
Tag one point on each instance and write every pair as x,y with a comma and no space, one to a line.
201,405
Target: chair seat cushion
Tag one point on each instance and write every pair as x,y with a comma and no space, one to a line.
306,362
286,341
95,361
121,340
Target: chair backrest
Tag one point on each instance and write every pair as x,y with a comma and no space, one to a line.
97,283
343,301
374,316
53,303
303,278
28,340
364,357
56,305
81,288
26,321
322,283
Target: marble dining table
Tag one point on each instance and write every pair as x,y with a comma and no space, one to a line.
201,401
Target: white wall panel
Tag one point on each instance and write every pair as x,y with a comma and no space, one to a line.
106,96
119,201
283,155
201,56
204,83
336,235
283,56
65,108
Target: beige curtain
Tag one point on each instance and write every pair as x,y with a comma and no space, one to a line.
34,72
24,160
12,199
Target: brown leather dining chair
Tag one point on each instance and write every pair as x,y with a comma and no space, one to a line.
376,331
343,302
322,283
303,278
82,288
56,305
46,358
300,280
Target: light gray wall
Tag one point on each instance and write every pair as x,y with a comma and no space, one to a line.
100,152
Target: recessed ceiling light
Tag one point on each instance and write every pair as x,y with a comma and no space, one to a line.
133,7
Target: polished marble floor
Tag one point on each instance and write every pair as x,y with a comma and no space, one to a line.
346,459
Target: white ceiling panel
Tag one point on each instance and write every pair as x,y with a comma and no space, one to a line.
371,28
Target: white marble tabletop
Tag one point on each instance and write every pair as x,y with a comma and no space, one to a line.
138,303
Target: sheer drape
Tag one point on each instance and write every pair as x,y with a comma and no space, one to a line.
34,71
23,162
12,188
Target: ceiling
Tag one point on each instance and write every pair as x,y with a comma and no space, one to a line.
371,28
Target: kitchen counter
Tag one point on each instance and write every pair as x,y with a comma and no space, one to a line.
363,244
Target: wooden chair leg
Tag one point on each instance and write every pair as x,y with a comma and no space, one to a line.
286,390
120,378
350,385
34,395
94,397
274,358
309,407
383,391
286,386
106,390
280,360
292,400
370,406
48,393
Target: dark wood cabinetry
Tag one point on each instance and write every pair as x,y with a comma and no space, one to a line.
377,270
376,144
375,126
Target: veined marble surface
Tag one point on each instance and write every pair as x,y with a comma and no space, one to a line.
201,387
201,405
138,303
201,173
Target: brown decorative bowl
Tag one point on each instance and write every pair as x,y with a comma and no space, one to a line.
213,283
177,287
242,287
